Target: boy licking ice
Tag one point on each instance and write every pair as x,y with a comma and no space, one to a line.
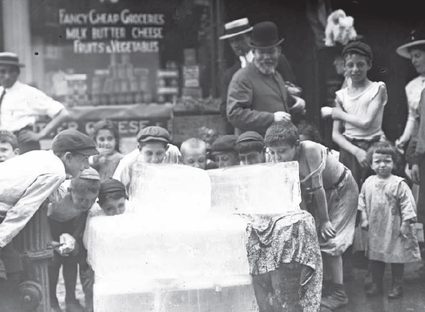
250,147
194,153
223,151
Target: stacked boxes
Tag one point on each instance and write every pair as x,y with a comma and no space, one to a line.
77,90
168,84
191,75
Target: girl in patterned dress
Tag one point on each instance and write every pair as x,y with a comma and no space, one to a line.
388,212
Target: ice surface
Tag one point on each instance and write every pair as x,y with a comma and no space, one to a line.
184,233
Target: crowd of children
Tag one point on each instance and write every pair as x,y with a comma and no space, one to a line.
360,182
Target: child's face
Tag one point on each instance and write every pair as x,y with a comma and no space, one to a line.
283,152
152,152
195,158
6,151
382,164
83,200
113,207
226,159
417,58
251,158
105,141
356,67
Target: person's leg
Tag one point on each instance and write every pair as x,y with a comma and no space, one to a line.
70,271
377,269
87,282
337,297
53,271
263,290
397,270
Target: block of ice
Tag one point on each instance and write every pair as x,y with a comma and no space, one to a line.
256,189
187,233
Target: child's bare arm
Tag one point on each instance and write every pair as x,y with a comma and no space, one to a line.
362,121
343,143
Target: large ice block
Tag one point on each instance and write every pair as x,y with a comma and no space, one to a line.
256,189
184,233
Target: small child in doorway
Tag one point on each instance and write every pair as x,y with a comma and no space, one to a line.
223,151
8,145
69,216
388,211
194,153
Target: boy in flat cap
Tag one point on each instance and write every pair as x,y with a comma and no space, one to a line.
8,145
69,215
223,151
112,197
153,146
250,147
27,180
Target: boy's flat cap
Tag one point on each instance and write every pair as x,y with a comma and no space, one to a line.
250,136
153,133
89,174
71,140
224,143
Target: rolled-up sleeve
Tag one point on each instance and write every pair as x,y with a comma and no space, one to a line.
239,107
44,104
18,216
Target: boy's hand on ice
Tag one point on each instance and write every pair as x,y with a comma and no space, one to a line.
405,229
327,230
415,174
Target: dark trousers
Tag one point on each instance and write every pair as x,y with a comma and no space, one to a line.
378,269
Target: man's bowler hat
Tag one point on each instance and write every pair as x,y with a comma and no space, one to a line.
265,35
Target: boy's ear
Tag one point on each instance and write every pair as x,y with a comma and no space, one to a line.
139,146
17,151
297,142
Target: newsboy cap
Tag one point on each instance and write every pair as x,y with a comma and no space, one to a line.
71,140
358,47
250,136
153,133
89,174
224,143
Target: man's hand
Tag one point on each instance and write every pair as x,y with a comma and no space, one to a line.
25,136
415,174
327,230
279,116
361,157
299,106
364,224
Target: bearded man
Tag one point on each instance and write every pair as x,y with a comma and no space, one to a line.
257,94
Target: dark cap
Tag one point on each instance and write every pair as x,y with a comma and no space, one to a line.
224,143
153,133
358,47
250,136
71,140
111,186
265,35
9,137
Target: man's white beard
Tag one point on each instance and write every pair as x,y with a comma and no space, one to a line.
265,69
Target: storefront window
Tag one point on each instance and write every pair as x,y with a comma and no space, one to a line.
117,52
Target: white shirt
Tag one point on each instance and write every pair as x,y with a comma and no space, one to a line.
23,104
413,93
26,181
245,60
